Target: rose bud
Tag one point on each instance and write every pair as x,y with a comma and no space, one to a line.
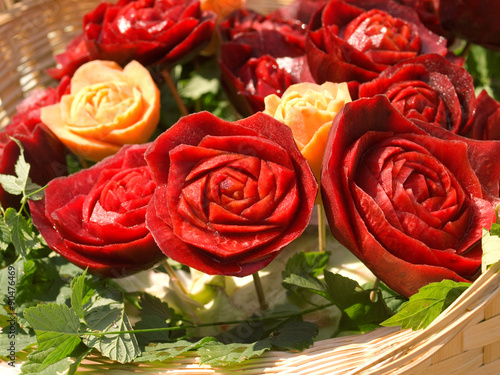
107,108
486,124
95,218
428,88
356,40
229,196
410,201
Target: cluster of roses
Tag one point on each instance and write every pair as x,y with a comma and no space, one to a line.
358,97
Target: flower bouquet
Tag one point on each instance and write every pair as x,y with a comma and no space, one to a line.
304,187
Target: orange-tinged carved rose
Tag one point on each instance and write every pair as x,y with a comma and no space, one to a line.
309,109
107,108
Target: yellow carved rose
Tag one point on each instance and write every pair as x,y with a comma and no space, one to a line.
309,109
107,108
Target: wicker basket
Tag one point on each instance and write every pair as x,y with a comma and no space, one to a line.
465,339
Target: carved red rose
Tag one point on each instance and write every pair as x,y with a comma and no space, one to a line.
230,196
409,201
95,218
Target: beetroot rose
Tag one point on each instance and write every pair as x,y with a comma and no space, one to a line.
355,40
486,124
95,218
409,201
148,31
261,55
428,88
229,196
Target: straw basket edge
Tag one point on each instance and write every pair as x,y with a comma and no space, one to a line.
465,339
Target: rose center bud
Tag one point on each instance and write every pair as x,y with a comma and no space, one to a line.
375,31
417,100
416,194
124,196
232,203
104,104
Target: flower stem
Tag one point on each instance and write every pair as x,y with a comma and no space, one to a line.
321,228
466,50
173,276
374,292
209,324
260,291
175,93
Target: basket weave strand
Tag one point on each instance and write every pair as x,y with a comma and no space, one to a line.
465,339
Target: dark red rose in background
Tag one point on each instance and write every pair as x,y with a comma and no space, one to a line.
302,10
246,21
229,196
409,201
428,88
472,20
162,32
486,123
149,31
42,150
260,56
356,40
427,11
95,218
75,55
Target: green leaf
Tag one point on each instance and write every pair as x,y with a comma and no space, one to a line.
218,354
56,327
484,66
5,239
312,263
491,247
355,302
80,294
106,313
426,305
302,271
12,184
20,184
20,232
295,335
66,366
164,351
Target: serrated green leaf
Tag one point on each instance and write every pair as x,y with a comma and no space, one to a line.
218,354
66,366
312,263
355,302
491,247
106,313
21,233
12,184
118,347
59,367
426,305
302,271
164,351
5,239
56,327
296,335
80,294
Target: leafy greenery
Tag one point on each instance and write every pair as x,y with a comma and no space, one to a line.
426,305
